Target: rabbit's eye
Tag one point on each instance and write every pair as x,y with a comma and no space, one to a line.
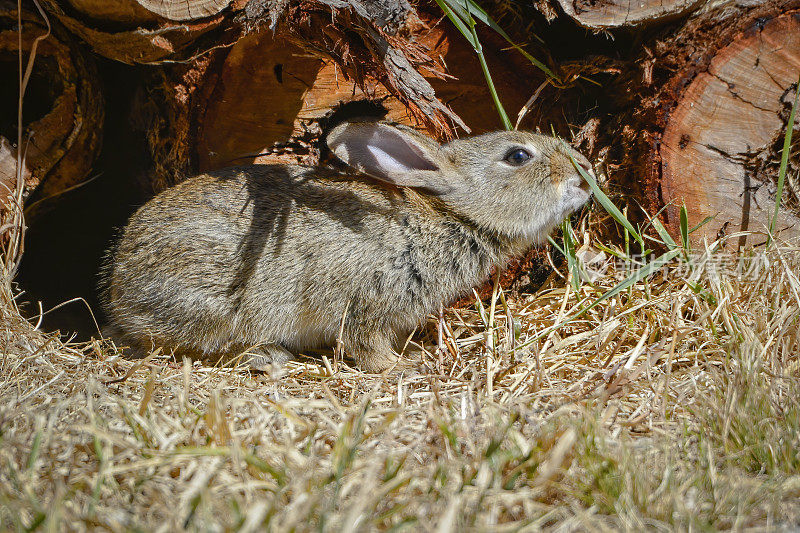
518,156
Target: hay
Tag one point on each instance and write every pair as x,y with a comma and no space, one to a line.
675,404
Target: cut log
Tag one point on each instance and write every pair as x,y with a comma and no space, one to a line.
302,89
728,118
143,31
62,108
150,31
231,110
145,11
184,9
710,122
611,14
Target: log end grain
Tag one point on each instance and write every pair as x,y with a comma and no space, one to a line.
183,10
729,116
611,14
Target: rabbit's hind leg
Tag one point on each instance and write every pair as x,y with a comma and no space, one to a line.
372,351
131,346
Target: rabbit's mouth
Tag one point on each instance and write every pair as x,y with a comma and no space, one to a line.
577,183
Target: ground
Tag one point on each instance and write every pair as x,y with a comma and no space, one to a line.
671,401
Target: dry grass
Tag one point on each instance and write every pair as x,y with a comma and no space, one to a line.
674,405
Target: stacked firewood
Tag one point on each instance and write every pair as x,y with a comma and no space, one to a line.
681,102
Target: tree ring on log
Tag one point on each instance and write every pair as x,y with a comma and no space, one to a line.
62,107
729,116
764,164
181,10
610,14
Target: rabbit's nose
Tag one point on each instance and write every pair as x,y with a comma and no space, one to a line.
585,165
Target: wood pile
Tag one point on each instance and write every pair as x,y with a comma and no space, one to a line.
679,101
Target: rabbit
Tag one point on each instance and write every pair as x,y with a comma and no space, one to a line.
290,258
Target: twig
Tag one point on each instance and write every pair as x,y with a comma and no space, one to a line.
338,353
491,349
527,107
16,239
440,347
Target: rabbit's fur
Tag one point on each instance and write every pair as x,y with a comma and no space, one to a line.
287,257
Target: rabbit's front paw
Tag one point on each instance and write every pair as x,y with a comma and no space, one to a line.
267,358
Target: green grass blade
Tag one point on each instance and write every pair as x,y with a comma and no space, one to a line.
640,274
556,246
457,22
787,145
610,251
663,233
701,224
465,24
35,449
684,223
473,10
572,260
486,74
606,202
495,98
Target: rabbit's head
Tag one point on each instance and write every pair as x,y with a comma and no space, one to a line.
514,183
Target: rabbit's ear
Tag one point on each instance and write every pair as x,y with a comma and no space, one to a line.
395,155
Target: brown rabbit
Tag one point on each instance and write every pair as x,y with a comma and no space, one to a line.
283,256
